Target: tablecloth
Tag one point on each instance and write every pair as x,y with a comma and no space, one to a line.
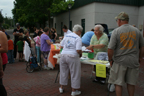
83,61
52,61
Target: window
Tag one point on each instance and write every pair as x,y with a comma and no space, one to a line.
83,25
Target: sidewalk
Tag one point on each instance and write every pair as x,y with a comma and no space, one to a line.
41,83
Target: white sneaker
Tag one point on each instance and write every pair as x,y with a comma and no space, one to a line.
47,68
102,82
93,72
76,93
60,90
38,64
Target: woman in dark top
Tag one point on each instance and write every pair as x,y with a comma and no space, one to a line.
36,32
53,34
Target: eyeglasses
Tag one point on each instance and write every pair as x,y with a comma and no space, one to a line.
96,30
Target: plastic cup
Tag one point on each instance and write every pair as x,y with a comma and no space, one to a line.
91,55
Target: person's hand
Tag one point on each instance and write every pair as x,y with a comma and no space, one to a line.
140,60
1,73
89,47
80,55
111,62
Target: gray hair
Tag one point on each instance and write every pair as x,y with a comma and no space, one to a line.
101,29
77,28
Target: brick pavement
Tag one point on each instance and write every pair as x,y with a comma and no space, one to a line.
41,83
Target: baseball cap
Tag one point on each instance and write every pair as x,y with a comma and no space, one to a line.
17,24
122,16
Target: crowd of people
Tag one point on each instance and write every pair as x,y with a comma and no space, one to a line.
125,51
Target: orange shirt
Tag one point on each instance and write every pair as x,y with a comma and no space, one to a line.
10,45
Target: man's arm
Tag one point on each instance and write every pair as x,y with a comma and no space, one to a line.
20,34
110,55
3,43
14,33
48,42
17,34
141,54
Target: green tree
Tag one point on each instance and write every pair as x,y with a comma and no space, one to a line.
31,12
5,26
1,19
8,21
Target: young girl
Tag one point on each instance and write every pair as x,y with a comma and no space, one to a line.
27,38
20,45
37,40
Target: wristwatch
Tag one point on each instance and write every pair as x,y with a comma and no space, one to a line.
92,46
110,60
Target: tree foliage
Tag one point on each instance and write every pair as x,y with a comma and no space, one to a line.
8,21
31,12
1,18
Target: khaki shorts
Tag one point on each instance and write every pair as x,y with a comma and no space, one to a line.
120,75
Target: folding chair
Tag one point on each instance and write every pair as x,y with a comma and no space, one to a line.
57,75
58,61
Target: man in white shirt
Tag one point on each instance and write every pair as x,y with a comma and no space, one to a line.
66,30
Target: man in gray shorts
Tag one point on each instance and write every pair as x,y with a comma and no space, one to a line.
123,51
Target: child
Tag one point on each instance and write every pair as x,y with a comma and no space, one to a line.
37,41
26,38
10,50
20,45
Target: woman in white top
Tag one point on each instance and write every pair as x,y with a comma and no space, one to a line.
70,61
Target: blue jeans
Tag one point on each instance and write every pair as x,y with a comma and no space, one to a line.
53,40
10,56
38,54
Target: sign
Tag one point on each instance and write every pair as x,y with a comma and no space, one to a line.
101,70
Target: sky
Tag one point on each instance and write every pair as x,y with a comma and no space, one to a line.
6,6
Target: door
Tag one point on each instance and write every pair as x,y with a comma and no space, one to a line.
61,29
83,25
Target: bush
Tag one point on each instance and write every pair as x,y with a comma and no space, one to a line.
5,26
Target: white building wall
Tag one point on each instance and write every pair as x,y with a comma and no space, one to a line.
141,17
106,13
98,13
87,12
